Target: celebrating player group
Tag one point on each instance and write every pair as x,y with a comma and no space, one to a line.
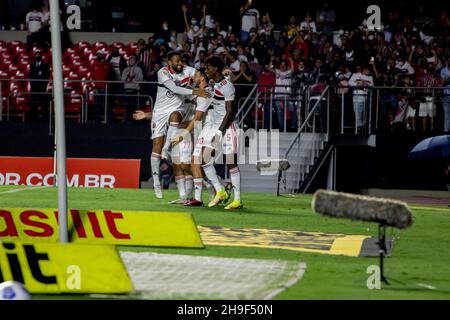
195,103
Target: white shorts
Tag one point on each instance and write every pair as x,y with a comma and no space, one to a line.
160,122
228,143
427,109
410,112
182,152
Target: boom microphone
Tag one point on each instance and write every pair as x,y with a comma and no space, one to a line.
387,212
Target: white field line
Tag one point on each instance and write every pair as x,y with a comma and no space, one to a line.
23,189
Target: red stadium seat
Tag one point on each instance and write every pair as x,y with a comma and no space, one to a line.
83,71
86,52
66,70
72,82
80,46
19,104
74,104
19,51
118,45
132,48
36,49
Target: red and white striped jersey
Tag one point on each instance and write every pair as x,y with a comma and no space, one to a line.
166,100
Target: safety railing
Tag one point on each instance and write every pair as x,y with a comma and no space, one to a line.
261,104
302,152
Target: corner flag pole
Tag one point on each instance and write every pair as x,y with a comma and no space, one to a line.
58,96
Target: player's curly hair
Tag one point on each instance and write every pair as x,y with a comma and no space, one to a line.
173,53
217,62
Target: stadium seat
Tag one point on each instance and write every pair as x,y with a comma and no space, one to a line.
80,46
132,48
118,45
74,104
19,104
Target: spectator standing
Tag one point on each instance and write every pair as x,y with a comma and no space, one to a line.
34,21
39,70
99,73
361,81
427,106
131,76
266,82
308,24
283,104
117,64
249,18
445,77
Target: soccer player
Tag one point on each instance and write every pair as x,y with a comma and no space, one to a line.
168,110
219,134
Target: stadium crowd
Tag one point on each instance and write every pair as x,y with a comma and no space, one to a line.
311,50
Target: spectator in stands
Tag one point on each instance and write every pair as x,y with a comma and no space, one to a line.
427,107
361,80
131,76
308,24
164,33
99,73
39,70
445,77
117,64
284,105
195,29
266,82
34,22
243,78
250,19
327,18
265,28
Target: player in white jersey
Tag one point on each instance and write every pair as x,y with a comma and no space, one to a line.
168,111
218,136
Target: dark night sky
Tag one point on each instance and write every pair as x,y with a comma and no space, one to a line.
150,13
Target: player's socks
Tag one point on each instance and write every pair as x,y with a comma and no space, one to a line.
198,186
180,180
189,185
173,126
155,161
210,188
211,174
235,176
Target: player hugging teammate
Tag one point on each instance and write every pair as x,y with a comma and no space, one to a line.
172,127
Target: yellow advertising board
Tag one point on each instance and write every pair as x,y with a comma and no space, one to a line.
115,227
64,268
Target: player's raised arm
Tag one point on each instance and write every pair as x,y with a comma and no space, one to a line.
171,85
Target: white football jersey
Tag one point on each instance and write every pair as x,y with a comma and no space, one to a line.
223,92
166,101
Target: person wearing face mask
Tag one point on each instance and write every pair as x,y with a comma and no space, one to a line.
131,76
194,29
39,70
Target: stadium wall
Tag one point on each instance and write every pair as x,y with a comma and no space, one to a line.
91,37
385,166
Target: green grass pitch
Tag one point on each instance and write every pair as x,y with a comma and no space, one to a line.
418,269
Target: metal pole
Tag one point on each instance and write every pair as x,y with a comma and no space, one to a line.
285,113
106,103
58,91
256,115
342,113
1,102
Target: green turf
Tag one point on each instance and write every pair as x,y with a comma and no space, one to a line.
421,254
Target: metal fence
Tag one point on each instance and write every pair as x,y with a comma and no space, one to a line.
257,106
